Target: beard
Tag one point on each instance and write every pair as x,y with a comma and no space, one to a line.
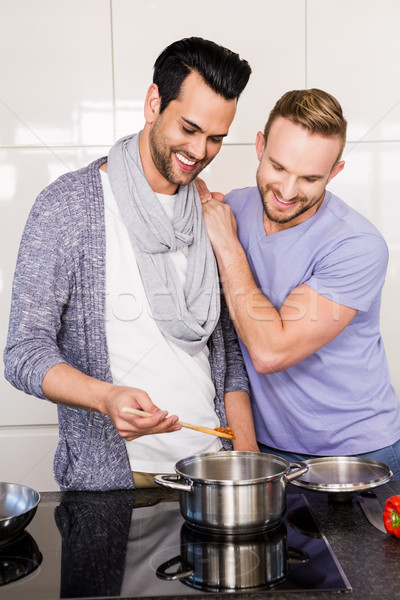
303,204
163,159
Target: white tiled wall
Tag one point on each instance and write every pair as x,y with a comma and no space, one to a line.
72,80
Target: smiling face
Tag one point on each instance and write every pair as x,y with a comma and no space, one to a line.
295,167
177,144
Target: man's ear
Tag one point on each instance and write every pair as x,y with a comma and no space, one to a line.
339,166
152,104
260,145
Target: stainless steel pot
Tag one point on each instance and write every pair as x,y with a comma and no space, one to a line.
232,491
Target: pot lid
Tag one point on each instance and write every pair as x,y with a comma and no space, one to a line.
343,474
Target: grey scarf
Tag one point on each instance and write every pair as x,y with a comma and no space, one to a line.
185,316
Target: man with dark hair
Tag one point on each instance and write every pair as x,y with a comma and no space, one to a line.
303,274
219,68
116,297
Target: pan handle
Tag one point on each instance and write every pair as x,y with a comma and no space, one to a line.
172,481
184,570
301,469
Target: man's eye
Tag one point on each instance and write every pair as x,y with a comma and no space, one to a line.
216,140
277,168
188,131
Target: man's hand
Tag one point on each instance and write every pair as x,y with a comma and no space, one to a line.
131,426
204,192
221,226
218,217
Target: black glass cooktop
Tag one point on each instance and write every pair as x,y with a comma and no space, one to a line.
106,546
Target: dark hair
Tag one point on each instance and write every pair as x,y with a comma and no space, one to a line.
314,109
222,70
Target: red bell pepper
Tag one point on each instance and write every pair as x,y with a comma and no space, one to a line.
391,516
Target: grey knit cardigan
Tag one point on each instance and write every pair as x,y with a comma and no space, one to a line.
58,316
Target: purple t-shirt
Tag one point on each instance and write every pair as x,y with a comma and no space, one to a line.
338,401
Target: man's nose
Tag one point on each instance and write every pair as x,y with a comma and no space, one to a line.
288,188
198,148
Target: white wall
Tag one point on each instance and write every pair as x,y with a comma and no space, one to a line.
73,76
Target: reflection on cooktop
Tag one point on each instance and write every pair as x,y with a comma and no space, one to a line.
107,547
19,557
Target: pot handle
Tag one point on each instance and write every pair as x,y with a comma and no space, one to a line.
301,469
184,570
172,481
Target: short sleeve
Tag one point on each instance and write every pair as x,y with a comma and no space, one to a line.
353,272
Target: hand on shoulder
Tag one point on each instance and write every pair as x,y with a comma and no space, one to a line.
205,194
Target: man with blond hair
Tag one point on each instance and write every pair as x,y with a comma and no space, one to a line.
303,273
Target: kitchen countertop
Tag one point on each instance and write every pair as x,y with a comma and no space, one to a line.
369,558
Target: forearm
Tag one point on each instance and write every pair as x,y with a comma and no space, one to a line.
66,385
240,420
257,322
277,340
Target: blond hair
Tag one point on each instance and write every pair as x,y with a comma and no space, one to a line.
314,109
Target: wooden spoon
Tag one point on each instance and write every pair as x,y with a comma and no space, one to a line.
142,413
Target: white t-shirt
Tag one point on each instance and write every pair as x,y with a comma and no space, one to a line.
142,357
